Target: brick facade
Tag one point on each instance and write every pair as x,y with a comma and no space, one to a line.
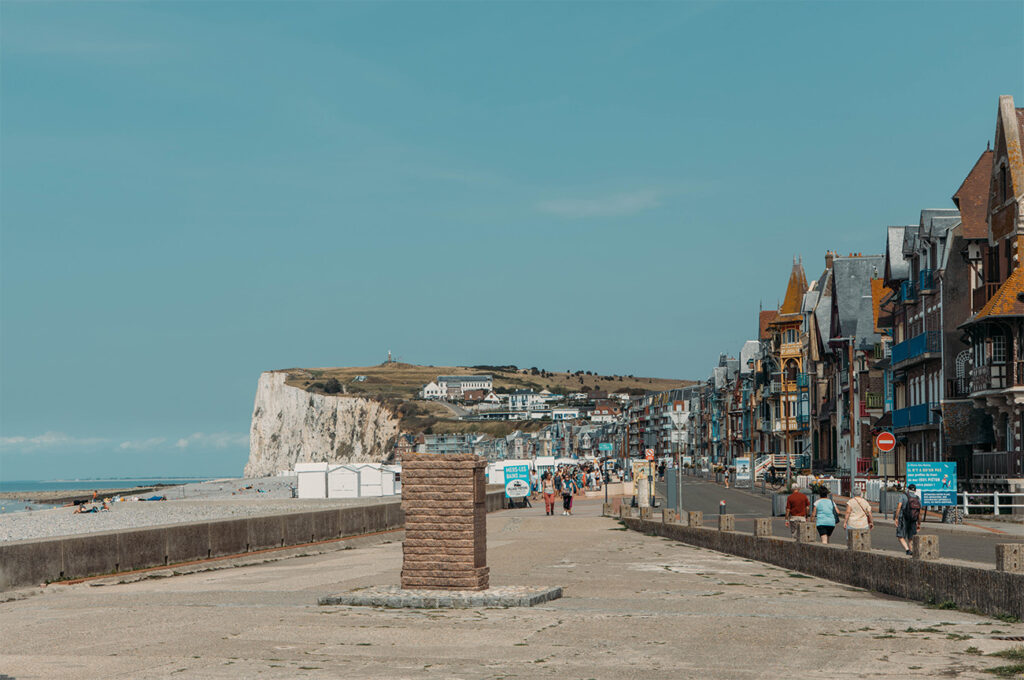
445,522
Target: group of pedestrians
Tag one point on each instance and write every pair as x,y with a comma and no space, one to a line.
825,514
566,483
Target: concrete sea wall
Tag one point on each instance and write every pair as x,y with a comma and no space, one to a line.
34,562
997,593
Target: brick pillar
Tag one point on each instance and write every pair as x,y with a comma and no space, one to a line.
926,547
444,499
763,526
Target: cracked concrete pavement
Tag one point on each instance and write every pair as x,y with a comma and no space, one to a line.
634,606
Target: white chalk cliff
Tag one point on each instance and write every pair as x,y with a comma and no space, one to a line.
290,425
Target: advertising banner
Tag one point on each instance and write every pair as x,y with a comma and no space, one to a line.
742,468
517,481
936,482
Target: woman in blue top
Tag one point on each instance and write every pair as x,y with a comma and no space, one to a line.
825,515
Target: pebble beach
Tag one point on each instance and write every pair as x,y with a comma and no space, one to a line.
203,501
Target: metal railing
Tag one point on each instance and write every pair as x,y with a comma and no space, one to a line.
998,464
926,280
958,388
874,399
998,503
908,292
929,342
912,416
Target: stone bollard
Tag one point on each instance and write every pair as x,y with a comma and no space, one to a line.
624,511
727,522
668,515
806,532
1010,557
606,509
926,547
645,512
694,518
763,526
858,539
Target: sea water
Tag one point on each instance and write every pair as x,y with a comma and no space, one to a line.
32,487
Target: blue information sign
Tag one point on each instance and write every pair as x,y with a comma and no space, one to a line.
517,481
604,446
936,482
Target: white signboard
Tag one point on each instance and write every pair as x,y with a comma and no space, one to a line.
517,488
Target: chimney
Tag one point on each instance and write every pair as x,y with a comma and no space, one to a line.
828,259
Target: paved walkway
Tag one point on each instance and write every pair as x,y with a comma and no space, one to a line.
974,543
635,607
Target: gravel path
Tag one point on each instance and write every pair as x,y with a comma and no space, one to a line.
205,501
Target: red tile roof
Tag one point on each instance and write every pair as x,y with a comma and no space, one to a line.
764,320
972,198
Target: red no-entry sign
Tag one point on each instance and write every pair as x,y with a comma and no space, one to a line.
885,442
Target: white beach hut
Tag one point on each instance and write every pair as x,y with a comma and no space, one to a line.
343,482
397,470
312,480
371,479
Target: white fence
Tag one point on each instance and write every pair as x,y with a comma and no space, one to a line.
1000,503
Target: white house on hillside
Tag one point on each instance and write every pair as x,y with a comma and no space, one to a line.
432,391
462,383
524,400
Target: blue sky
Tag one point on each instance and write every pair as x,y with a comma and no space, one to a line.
193,193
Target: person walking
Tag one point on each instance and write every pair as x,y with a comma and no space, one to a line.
568,489
858,513
797,508
547,488
826,514
909,515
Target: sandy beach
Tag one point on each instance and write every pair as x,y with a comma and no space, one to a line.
203,501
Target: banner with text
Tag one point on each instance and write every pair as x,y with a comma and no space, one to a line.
936,482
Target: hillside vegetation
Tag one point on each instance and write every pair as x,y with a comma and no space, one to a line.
397,384
403,381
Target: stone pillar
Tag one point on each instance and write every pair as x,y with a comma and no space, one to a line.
1010,557
858,539
727,522
444,500
624,510
668,515
762,527
806,532
694,518
645,512
926,547
606,509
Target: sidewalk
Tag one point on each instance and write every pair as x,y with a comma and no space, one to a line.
932,520
633,606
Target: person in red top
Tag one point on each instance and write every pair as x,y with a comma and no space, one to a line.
797,508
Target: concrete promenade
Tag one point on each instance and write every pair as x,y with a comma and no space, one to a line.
634,606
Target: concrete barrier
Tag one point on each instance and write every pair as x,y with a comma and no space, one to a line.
990,591
33,562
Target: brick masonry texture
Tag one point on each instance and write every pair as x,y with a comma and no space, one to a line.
444,500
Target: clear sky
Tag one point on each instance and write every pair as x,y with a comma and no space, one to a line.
195,192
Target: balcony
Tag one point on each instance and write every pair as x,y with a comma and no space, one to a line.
926,280
908,292
929,342
802,422
915,416
997,376
998,464
863,466
874,399
775,387
982,294
958,388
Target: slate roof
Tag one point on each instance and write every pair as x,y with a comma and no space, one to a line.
972,198
896,266
750,350
851,285
823,310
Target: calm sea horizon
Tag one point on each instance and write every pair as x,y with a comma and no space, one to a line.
35,485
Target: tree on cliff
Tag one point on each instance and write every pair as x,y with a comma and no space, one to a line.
332,386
